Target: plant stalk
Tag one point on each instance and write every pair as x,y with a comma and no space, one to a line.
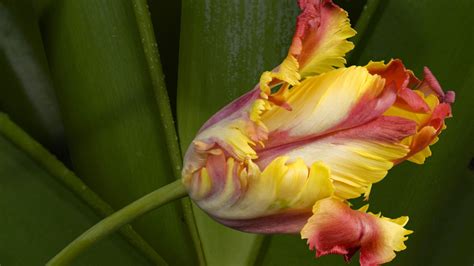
118,219
152,55
367,17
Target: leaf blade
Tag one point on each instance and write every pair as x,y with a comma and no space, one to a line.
111,117
150,47
37,209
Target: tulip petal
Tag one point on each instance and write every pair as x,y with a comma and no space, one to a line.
335,228
285,72
426,104
319,45
357,157
236,130
320,41
427,134
288,222
396,73
332,101
245,192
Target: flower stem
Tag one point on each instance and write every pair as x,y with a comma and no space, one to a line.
112,223
367,18
152,55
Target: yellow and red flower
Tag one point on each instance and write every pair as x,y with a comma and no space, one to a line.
287,159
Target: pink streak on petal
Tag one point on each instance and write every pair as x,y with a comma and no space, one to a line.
367,109
396,73
284,223
232,109
450,97
389,129
217,169
441,112
432,82
425,137
238,189
310,27
337,229
413,101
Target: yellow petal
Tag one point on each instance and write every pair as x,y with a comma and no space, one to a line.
281,187
355,164
286,72
320,41
323,102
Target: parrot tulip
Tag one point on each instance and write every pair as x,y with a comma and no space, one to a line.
288,155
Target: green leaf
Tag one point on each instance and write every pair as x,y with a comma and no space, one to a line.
40,215
111,118
150,48
26,91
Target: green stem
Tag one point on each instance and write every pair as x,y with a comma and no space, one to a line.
262,244
365,19
62,174
125,215
152,55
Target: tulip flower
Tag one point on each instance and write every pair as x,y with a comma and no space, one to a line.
288,155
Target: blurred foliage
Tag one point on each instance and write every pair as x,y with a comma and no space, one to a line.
27,92
110,115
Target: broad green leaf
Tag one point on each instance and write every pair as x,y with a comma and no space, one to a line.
26,90
437,195
40,215
110,115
